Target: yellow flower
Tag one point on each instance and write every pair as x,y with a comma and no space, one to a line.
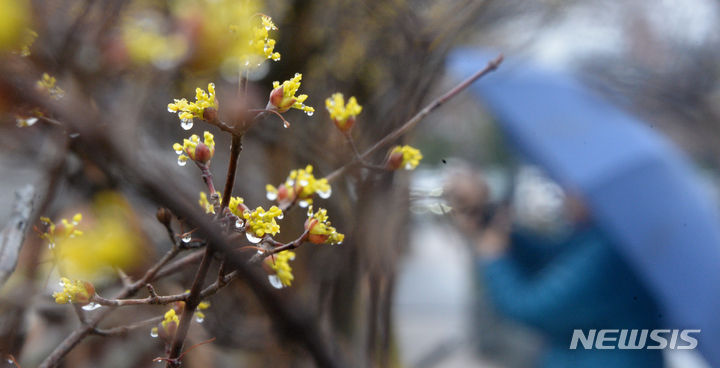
48,84
260,222
77,292
67,229
14,16
205,203
342,115
237,206
187,111
262,46
110,241
201,152
300,185
404,156
319,229
280,263
199,314
282,97
27,41
145,43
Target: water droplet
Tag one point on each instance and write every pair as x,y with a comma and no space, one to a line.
309,112
51,245
252,238
297,75
154,332
303,204
325,194
280,216
62,284
186,238
304,183
178,151
186,124
199,319
286,124
271,196
338,243
239,223
268,27
182,161
91,306
170,109
10,361
408,166
275,282
291,183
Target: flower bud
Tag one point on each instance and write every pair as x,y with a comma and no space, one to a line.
278,101
164,216
394,161
203,153
314,238
210,114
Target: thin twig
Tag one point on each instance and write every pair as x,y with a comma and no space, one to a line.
390,138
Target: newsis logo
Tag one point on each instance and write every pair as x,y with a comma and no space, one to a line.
607,339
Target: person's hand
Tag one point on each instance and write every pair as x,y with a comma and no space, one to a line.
494,240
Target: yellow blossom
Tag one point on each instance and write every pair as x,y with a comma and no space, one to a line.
27,41
343,115
110,240
147,44
67,229
237,206
205,203
261,45
201,152
48,84
319,229
301,185
404,156
280,263
260,222
282,97
14,16
78,292
199,314
187,111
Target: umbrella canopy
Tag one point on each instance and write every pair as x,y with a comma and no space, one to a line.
640,188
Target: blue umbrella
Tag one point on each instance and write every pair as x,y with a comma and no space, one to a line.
640,188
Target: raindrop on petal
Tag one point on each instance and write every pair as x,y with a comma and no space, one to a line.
186,124
275,281
309,112
178,151
304,183
252,238
154,332
303,204
182,161
199,319
325,194
280,216
271,196
186,238
239,223
91,306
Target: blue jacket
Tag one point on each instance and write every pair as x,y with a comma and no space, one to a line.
577,283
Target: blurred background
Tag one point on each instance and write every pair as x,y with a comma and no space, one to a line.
402,290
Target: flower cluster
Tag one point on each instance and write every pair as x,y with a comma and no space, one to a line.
261,44
48,84
280,264
343,115
204,107
319,229
169,324
260,222
200,152
282,97
404,156
78,292
54,233
301,185
146,44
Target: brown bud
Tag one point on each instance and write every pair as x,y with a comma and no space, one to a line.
345,126
394,161
164,216
210,114
203,153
